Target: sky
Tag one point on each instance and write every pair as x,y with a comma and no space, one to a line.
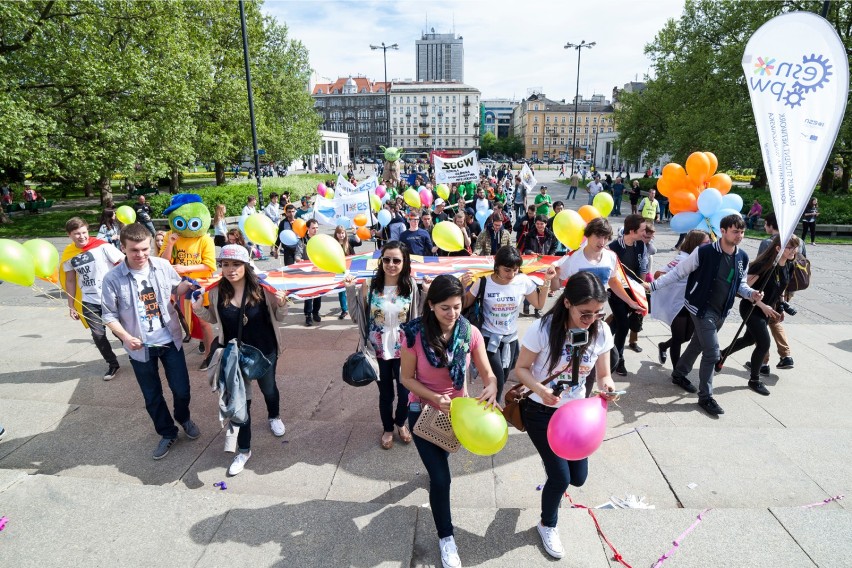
509,46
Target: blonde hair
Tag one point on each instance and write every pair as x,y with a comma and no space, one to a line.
220,213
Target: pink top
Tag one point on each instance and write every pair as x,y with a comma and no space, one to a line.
436,380
756,209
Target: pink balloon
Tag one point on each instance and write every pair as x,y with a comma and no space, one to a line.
577,429
425,197
380,191
321,189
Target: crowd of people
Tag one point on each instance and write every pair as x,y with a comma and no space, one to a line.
424,346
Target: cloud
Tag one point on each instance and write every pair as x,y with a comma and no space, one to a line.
509,46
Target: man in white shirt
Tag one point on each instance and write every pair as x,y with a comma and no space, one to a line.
594,188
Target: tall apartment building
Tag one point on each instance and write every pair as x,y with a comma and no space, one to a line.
440,57
356,106
549,131
434,116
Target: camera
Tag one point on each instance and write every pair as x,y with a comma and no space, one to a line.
578,337
787,308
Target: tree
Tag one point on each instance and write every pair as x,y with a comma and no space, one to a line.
511,146
488,144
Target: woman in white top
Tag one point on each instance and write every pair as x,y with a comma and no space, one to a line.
220,227
505,291
390,298
546,352
668,306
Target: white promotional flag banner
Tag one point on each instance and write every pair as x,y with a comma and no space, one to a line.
798,76
343,187
527,177
342,209
457,170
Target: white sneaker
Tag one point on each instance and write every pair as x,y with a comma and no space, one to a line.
239,463
449,553
550,540
277,426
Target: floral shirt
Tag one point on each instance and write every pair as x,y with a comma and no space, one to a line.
387,311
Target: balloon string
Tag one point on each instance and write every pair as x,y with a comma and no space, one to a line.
88,318
676,542
823,502
615,554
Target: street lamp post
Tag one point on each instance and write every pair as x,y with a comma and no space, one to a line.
385,49
579,47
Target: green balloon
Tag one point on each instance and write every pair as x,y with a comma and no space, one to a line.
16,263
45,257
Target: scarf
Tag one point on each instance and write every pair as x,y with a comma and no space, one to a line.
457,350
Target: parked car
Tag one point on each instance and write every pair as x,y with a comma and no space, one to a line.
487,161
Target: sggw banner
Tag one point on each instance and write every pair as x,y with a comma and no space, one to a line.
457,170
797,74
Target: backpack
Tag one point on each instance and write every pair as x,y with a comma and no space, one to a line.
800,275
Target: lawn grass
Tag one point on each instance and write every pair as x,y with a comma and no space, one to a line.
47,223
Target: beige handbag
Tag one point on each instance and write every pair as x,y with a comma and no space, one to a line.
434,426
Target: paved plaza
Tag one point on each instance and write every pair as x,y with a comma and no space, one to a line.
79,488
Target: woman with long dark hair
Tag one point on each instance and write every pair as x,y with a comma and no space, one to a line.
438,349
263,307
668,307
764,274
387,300
110,228
547,353
505,292
809,218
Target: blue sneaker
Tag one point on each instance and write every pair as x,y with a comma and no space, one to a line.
192,431
163,448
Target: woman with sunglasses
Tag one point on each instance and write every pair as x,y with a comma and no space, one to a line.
763,274
438,350
505,292
264,307
388,299
546,353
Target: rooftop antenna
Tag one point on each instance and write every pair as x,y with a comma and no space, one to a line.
427,24
454,23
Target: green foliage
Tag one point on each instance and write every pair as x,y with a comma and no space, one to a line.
510,146
833,209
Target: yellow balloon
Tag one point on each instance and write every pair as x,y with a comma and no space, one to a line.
260,229
568,227
375,202
45,257
443,191
125,214
329,193
448,236
482,432
603,203
412,198
326,254
16,263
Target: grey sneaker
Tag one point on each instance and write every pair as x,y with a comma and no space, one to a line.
163,448
191,429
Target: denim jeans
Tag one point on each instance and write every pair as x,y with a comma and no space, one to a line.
93,315
271,396
705,340
617,198
560,472
148,377
520,210
312,306
437,464
344,303
572,192
388,379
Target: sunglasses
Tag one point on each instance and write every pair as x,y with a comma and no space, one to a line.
389,260
589,317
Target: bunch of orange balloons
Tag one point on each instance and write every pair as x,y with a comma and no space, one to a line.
683,186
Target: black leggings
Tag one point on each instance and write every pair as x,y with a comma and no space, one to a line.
619,325
809,226
682,329
757,334
496,361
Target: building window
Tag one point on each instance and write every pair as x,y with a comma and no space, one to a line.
535,106
465,141
571,119
610,129
562,141
535,129
454,98
535,141
547,119
433,98
563,120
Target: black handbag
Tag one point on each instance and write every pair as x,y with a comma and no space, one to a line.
361,368
475,313
253,363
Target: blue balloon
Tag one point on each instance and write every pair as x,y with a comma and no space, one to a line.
344,222
686,221
385,197
242,224
709,201
288,238
732,201
384,217
482,216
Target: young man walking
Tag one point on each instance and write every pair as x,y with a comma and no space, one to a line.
85,262
633,254
137,308
716,274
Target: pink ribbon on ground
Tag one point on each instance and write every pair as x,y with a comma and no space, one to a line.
3,521
676,542
823,502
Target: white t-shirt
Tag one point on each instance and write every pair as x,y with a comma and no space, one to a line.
501,304
149,311
595,187
578,262
91,266
537,341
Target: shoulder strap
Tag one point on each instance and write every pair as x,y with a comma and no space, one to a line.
242,317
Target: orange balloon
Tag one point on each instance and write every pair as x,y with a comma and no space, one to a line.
300,228
675,173
692,185
360,220
363,232
588,212
722,182
714,163
683,201
698,166
664,186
